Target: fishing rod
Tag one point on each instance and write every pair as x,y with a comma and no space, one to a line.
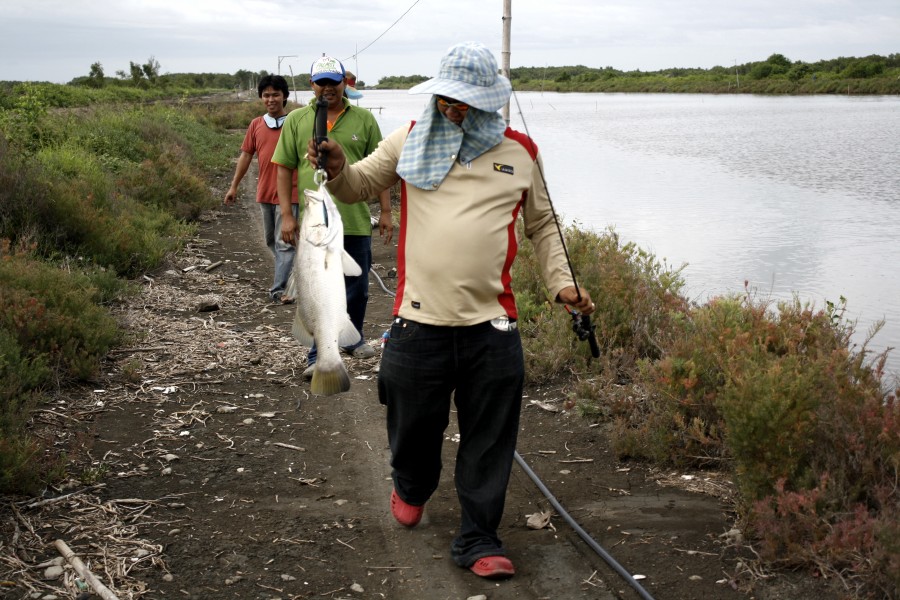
321,136
581,323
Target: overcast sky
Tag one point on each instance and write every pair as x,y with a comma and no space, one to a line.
57,40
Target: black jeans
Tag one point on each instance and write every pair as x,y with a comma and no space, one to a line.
483,368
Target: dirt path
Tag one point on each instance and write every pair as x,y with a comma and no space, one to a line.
256,490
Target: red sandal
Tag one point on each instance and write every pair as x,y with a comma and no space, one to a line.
406,514
493,567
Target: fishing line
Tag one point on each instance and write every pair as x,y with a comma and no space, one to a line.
549,200
581,323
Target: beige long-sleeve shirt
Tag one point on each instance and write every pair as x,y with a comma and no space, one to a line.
457,242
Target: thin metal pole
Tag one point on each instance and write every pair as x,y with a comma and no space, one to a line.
504,69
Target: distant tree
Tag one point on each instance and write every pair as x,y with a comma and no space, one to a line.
242,76
96,78
401,81
762,70
150,69
863,68
136,72
779,60
776,64
798,71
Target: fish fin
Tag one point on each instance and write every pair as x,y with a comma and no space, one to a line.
349,334
327,381
291,288
301,334
351,268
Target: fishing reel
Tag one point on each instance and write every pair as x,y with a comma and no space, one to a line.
584,330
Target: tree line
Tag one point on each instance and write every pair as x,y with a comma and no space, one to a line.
147,75
776,65
874,74
777,74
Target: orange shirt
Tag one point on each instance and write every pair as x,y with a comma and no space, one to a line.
261,141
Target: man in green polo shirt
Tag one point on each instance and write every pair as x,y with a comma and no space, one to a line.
358,133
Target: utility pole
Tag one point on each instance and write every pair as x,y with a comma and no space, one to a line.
280,58
504,69
736,76
294,86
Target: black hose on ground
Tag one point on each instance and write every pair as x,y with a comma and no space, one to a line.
624,574
606,556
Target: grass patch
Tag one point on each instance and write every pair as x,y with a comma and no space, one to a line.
88,199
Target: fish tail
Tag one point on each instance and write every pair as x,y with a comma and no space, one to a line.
328,380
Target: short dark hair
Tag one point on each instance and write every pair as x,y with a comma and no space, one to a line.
275,81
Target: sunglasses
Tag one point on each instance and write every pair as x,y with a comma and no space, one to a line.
449,103
327,82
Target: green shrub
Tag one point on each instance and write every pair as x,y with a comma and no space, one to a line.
113,136
635,297
82,220
168,184
25,467
53,314
20,376
51,332
211,151
66,203
25,120
24,193
228,115
101,186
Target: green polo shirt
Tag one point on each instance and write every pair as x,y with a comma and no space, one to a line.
356,130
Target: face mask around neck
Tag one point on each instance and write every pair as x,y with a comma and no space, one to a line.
274,122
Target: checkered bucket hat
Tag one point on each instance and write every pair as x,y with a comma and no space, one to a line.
469,74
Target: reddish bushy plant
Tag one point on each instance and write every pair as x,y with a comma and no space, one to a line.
813,528
51,331
802,421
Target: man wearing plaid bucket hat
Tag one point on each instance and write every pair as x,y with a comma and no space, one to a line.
465,177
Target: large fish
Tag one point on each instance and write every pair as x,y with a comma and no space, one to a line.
319,268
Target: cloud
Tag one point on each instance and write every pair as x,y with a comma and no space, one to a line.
223,36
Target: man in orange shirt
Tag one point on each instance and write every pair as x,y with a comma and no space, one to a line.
261,139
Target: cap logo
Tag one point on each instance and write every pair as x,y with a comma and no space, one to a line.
325,66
